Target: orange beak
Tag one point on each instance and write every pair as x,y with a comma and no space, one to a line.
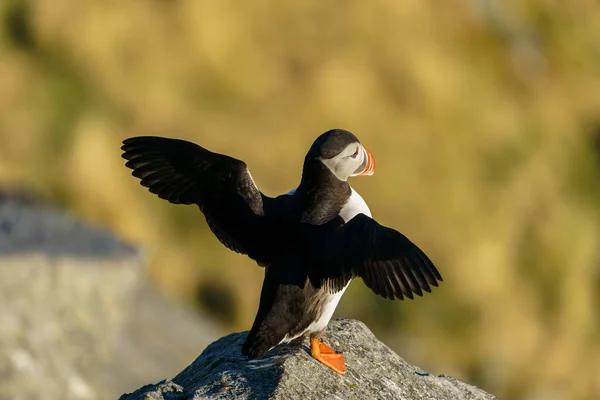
370,167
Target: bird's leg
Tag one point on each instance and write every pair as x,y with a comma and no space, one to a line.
326,355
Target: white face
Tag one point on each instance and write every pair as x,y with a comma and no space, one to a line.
352,161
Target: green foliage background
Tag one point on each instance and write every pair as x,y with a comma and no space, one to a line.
482,116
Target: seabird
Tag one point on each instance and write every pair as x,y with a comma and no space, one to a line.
313,241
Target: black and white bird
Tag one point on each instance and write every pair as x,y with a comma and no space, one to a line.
313,241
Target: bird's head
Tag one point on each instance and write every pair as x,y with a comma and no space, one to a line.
343,154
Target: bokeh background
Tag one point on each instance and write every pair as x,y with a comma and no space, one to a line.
483,116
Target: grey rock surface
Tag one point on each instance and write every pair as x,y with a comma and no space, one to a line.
374,372
27,226
78,320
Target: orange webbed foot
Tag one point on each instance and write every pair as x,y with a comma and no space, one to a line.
327,356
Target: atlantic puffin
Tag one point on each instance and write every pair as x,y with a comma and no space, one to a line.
312,241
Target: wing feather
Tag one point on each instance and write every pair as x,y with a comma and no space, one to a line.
388,262
182,172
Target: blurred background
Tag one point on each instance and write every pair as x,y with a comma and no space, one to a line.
483,117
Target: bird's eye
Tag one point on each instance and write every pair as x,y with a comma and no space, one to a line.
355,153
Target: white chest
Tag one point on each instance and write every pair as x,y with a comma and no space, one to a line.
355,205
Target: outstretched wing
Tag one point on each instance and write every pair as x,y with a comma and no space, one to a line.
390,264
185,173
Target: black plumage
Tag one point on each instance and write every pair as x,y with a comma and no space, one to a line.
309,251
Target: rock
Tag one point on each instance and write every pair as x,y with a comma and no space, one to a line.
157,338
374,372
77,318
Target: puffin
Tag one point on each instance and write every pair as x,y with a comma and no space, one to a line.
311,241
